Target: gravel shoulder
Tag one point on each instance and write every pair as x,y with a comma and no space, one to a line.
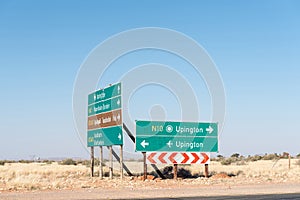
175,190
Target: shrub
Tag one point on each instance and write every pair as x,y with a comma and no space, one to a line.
68,161
254,158
218,158
235,155
242,162
270,157
49,162
25,161
2,162
228,161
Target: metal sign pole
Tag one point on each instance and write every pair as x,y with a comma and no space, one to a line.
92,161
206,170
101,163
111,163
175,171
145,166
121,161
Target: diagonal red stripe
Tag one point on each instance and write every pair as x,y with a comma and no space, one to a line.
150,158
161,157
186,158
196,157
205,158
171,158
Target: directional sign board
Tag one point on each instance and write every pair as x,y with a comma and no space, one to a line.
178,158
105,117
176,136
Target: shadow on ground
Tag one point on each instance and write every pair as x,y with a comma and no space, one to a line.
183,173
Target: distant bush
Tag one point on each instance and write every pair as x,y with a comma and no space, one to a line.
25,161
254,158
2,162
298,156
235,155
49,162
10,161
228,161
218,158
270,157
68,161
242,162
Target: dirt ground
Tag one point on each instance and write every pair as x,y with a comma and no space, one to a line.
174,190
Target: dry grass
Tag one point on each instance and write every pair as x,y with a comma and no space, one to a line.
15,176
42,176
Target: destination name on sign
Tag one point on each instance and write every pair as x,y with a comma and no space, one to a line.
188,145
98,142
101,107
190,130
100,96
97,135
106,120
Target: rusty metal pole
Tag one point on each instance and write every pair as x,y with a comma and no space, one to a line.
206,170
101,163
145,166
111,163
121,161
175,171
92,161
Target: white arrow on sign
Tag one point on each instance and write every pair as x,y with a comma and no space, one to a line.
118,117
119,136
144,143
118,102
119,89
209,130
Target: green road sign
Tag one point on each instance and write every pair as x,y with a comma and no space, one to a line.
105,136
106,93
176,136
105,117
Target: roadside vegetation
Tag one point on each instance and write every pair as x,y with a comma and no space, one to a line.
235,158
238,159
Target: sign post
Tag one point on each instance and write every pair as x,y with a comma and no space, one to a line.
105,117
104,126
177,142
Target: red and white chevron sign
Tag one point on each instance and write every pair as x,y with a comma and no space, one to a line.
178,158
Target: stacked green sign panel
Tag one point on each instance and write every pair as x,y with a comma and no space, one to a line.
104,101
176,136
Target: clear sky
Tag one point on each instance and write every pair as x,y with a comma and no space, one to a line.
254,44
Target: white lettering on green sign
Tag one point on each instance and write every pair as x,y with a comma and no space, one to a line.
188,145
190,130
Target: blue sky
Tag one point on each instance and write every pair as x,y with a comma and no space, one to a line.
254,44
